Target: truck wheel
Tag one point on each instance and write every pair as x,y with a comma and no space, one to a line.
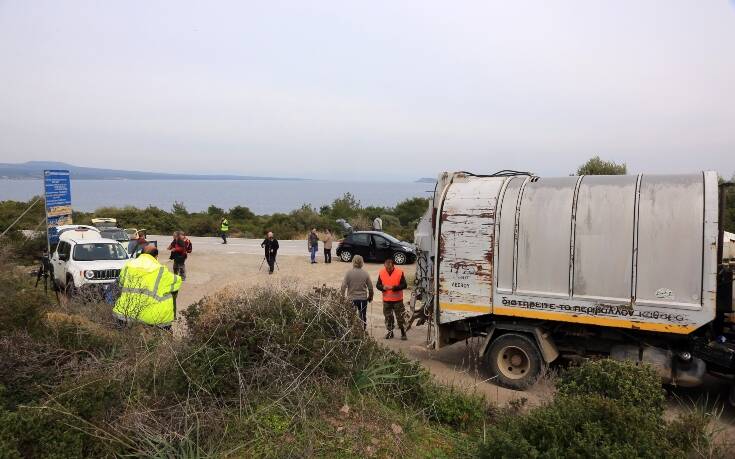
515,361
399,258
346,256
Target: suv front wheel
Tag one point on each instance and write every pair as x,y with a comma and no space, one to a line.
346,256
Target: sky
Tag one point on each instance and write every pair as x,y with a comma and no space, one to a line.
364,90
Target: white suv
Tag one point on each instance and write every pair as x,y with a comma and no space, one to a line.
84,259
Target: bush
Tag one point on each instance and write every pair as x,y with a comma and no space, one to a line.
624,382
74,332
602,408
28,369
22,306
580,426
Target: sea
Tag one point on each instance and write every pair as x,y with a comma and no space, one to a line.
263,197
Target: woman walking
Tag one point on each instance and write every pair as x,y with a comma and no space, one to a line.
328,247
359,288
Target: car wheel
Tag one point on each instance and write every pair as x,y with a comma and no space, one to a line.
400,258
346,256
514,361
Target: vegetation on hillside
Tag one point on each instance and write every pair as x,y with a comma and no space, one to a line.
400,220
281,373
260,373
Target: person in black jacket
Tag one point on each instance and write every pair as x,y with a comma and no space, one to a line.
180,248
270,244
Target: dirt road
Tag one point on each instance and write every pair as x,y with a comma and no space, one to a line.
214,266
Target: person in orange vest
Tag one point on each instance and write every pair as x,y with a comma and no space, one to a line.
392,282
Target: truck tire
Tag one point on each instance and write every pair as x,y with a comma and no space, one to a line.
514,361
345,256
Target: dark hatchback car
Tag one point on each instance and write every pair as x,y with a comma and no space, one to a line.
376,246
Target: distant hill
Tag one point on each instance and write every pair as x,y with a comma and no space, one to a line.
34,170
426,180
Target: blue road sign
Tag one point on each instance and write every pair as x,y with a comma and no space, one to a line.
57,191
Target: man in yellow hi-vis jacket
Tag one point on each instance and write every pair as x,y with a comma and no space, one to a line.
147,291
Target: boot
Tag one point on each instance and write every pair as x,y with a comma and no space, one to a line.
389,335
403,335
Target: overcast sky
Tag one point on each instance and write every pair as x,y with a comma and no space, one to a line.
358,90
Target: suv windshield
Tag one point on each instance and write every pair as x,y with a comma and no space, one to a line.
114,233
99,251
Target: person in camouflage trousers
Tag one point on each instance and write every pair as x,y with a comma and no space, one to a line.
392,282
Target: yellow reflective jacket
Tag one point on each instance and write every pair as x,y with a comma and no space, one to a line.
146,291
225,226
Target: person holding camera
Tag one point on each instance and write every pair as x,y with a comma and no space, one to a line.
270,244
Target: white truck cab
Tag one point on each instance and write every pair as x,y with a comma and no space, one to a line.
83,258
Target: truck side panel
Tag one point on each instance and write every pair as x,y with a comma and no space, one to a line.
466,228
620,251
667,258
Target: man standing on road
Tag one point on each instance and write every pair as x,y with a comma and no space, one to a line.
270,244
328,246
378,224
392,282
147,291
180,249
313,244
359,288
224,228
136,246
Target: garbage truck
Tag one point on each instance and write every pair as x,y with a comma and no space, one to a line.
537,269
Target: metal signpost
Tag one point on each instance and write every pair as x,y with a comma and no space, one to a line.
57,191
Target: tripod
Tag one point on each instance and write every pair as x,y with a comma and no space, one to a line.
275,262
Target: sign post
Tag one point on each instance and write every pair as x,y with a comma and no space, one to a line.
57,191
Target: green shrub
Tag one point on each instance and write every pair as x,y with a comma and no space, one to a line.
625,382
455,408
602,408
22,306
37,432
581,426
281,327
74,332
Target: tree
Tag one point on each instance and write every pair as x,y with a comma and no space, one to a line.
241,213
411,210
345,207
597,166
214,210
179,209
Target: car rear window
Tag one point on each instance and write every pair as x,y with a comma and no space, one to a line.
99,251
118,235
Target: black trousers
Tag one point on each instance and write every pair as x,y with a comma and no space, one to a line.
327,255
271,260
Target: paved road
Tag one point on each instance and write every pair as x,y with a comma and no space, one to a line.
236,246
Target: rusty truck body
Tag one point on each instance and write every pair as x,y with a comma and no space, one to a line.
625,266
